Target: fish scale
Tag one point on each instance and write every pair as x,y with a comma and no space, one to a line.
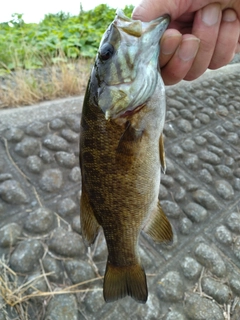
121,153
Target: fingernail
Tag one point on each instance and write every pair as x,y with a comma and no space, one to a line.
168,46
210,14
188,49
229,15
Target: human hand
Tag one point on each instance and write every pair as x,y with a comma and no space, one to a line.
202,34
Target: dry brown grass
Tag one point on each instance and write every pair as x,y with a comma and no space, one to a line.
58,81
18,296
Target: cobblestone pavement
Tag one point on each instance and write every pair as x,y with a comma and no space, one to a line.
197,278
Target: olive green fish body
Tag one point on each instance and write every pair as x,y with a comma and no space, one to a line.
120,162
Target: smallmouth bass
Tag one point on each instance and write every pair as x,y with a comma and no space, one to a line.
121,151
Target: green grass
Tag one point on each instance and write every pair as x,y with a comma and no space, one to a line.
62,44
29,45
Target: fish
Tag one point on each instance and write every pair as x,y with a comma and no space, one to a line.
122,151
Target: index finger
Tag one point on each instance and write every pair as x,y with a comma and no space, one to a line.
151,9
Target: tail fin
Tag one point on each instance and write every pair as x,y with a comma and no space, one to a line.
122,281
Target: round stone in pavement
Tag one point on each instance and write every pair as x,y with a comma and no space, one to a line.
170,131
46,156
66,207
11,192
167,180
219,291
174,315
39,221
79,270
171,287
27,147
75,174
209,157
51,180
73,121
191,268
76,224
184,125
177,151
94,303
70,135
233,222
236,248
224,189
223,235
235,283
56,143
26,256
14,134
200,140
224,171
213,139
37,282
210,258
200,308
171,209
185,225
9,234
65,159
34,164
186,114
57,124
179,194
195,212
163,193
203,117
218,151
36,129
205,199
170,166
54,267
192,162
5,176
62,307
66,243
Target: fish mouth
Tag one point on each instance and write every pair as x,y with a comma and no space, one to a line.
137,27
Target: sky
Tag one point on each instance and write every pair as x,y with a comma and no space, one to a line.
34,11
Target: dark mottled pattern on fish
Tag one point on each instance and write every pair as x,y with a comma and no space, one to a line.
121,156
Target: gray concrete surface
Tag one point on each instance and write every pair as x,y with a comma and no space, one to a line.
197,278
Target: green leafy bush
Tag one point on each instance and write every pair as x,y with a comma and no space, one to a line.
58,37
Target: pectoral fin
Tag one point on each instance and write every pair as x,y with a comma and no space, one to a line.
127,143
162,154
89,224
158,227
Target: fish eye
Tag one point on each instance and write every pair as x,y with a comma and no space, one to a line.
106,51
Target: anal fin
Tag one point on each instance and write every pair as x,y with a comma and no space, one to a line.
158,227
125,280
162,154
89,224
